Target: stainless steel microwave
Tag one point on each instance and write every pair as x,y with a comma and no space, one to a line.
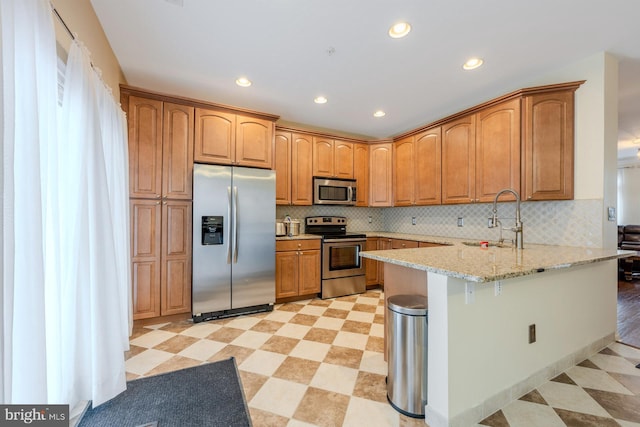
332,191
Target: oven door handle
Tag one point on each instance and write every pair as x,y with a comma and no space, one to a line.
355,240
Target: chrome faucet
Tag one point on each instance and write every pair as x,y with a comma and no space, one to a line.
496,223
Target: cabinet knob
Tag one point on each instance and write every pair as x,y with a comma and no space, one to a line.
157,196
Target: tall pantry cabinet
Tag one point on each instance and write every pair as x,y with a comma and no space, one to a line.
160,174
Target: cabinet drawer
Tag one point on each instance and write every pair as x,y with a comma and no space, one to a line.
297,245
403,244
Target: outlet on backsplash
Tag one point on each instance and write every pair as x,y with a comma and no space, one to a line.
460,221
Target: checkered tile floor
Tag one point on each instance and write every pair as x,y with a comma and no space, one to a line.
320,363
603,390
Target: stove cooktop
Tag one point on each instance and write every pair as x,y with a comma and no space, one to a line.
330,227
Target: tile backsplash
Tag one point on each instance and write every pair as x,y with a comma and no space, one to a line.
565,223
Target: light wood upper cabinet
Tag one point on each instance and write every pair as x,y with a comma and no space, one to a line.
417,171
481,154
177,151
301,169
323,157
361,173
404,172
343,159
175,287
160,149
428,186
458,161
381,175
144,123
293,165
332,158
497,150
282,166
254,142
233,139
548,120
215,136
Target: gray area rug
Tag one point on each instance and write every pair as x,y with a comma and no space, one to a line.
205,395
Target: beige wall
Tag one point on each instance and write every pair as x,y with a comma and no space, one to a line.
82,20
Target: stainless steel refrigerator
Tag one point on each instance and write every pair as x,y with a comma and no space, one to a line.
233,241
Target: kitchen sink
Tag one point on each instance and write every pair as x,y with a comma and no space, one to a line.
493,244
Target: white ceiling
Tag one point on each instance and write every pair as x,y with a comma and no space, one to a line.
295,50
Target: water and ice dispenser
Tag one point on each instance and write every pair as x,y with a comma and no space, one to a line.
212,230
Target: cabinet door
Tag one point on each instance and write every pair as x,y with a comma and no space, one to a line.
323,157
404,172
458,161
286,274
177,149
175,289
498,150
282,166
371,265
428,188
343,159
144,125
215,135
548,146
301,170
383,244
361,173
145,257
381,175
309,272
254,142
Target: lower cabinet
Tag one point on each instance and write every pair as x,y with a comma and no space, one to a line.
297,268
375,269
371,265
161,257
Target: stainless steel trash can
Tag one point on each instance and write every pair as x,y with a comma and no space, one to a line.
407,353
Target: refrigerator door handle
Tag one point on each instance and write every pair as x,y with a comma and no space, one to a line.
235,225
229,228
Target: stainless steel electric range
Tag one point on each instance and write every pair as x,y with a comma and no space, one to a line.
342,268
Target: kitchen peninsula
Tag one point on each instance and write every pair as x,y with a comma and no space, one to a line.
482,303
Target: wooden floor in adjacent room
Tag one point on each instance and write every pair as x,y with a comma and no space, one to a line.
629,312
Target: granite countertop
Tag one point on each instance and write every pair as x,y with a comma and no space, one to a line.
476,264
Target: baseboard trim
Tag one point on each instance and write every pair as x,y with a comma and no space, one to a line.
501,399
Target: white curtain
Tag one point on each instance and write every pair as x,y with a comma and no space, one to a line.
29,102
66,294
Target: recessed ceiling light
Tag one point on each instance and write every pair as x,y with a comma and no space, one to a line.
243,82
472,63
636,141
320,100
379,113
399,30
